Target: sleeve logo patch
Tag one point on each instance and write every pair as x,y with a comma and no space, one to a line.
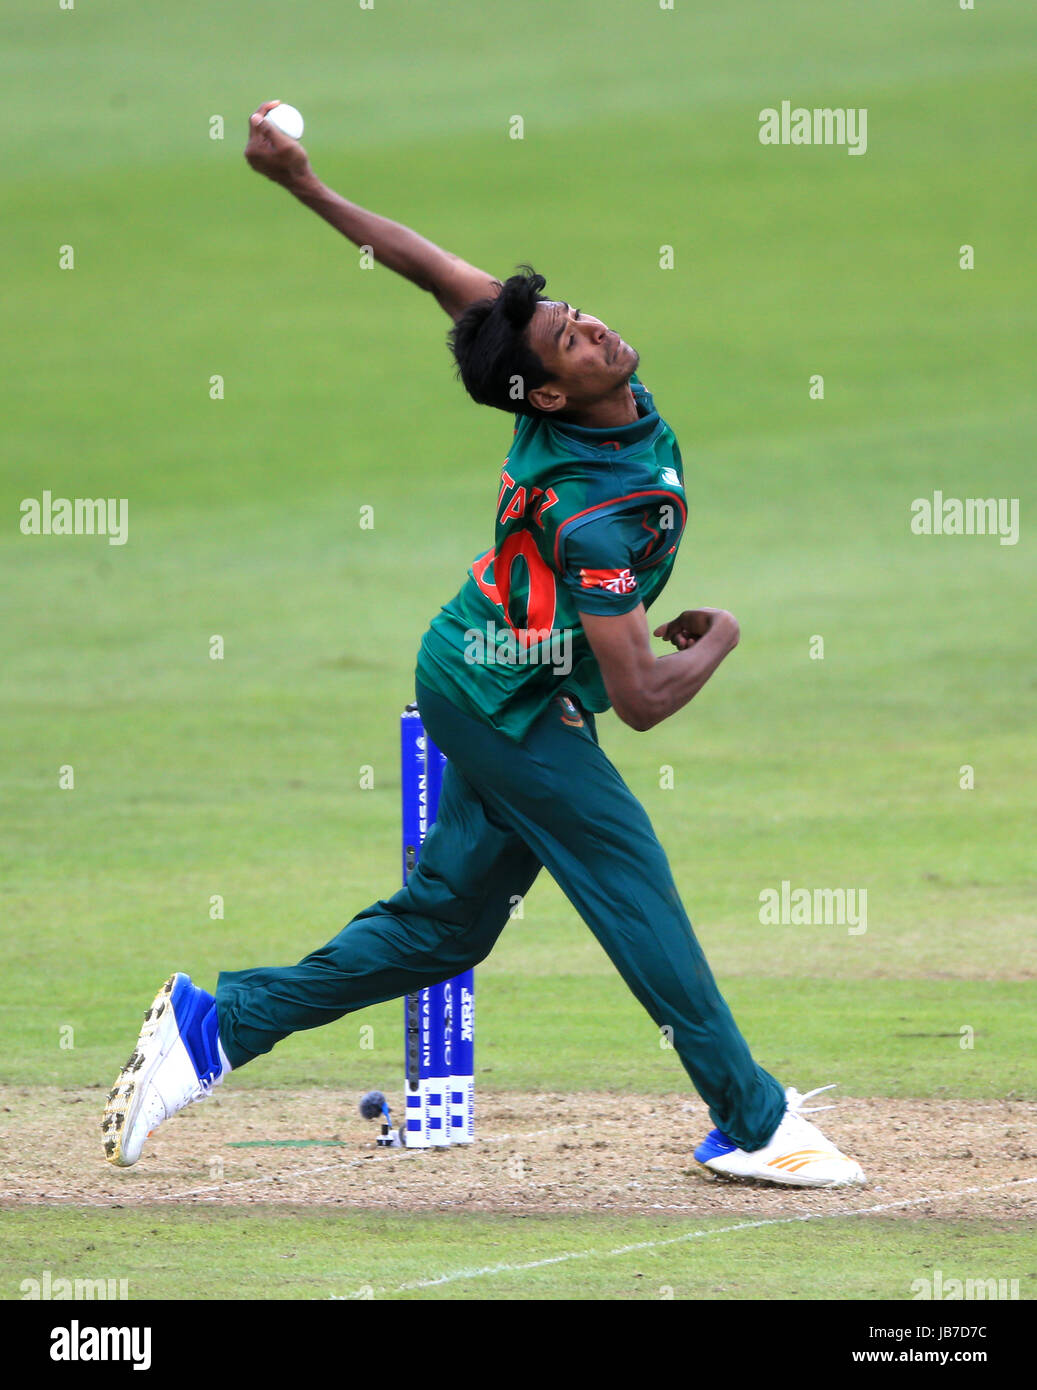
615,581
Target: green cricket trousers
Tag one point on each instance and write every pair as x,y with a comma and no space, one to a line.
505,811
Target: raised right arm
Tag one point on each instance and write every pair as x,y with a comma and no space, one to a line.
453,282
644,689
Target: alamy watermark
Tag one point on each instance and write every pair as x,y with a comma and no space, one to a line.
805,907
80,1342
966,516
76,516
819,125
47,1287
938,1288
494,646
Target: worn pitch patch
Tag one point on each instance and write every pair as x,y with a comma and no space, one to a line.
535,1154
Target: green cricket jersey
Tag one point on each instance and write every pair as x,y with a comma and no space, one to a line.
588,520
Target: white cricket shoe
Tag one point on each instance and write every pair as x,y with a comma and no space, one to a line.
177,1060
798,1154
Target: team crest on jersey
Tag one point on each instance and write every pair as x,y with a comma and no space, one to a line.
570,712
615,581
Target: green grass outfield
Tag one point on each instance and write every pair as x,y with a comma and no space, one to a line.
360,1255
242,777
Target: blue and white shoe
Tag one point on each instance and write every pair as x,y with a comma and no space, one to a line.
797,1154
177,1060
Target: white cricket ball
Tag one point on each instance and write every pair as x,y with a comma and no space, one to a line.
286,118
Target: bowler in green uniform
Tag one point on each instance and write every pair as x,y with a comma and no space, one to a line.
548,630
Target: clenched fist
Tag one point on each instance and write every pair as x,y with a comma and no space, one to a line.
685,630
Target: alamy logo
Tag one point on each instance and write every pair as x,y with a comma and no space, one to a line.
47,1287
938,1288
966,516
78,1343
76,516
803,907
528,646
821,125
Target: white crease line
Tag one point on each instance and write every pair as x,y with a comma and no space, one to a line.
338,1167
534,1134
304,1172
268,1177
694,1235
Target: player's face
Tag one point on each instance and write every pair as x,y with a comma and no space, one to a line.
587,361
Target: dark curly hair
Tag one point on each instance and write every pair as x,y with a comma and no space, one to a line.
494,360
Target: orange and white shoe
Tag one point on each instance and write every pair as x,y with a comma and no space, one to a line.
797,1155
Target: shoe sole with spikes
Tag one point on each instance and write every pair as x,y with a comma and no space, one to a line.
157,1036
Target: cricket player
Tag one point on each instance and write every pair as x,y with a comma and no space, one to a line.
548,630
